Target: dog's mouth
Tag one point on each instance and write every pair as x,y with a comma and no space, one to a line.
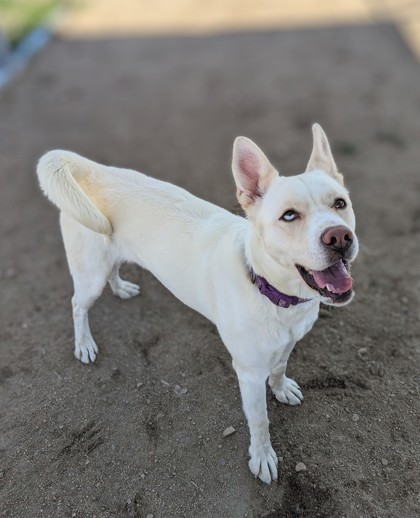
334,283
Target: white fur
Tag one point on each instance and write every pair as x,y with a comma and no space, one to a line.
203,254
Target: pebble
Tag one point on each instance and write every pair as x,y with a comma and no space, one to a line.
149,516
300,466
228,431
377,370
164,382
362,353
355,418
384,462
180,390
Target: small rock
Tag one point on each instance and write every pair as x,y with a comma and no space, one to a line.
300,466
384,462
362,353
180,390
164,382
228,431
376,369
355,418
139,385
149,516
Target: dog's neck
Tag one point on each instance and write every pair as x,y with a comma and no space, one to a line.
275,296
262,265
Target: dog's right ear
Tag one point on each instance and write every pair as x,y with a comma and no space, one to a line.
252,171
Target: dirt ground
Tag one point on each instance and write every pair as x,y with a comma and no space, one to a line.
119,438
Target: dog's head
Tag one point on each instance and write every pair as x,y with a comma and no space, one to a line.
302,227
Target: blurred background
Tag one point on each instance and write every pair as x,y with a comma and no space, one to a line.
90,18
164,87
95,17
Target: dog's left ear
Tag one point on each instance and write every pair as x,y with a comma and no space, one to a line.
321,157
252,171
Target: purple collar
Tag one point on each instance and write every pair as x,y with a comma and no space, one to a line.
277,297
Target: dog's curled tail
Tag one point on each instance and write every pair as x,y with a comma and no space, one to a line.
60,174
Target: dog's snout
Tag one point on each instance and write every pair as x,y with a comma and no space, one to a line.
338,238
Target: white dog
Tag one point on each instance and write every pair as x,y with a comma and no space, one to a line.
260,279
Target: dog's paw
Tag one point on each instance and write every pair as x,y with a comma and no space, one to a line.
86,351
263,463
125,289
289,392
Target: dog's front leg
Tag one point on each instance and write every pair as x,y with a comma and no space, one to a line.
285,389
263,462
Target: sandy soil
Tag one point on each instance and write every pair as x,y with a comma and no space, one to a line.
117,439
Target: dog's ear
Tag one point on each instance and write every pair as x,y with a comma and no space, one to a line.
321,157
252,171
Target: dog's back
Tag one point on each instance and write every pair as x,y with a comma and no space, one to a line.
113,215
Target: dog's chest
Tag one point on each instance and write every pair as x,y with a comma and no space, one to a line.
301,328
288,331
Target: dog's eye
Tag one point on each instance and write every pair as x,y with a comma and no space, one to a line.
290,215
340,204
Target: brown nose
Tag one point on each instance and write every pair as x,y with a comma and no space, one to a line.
338,238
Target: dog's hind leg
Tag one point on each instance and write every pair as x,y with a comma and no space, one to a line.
88,286
90,261
121,288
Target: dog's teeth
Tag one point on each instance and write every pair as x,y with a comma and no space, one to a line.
331,288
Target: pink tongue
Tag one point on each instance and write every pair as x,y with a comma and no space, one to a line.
336,278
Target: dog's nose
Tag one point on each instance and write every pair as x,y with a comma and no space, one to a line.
338,238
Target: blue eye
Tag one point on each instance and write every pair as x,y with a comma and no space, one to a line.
290,215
